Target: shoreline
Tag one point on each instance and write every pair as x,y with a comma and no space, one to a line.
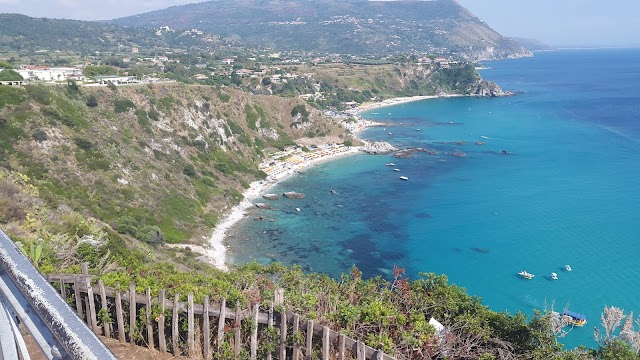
215,248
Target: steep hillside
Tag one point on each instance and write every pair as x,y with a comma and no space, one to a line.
158,163
352,26
23,33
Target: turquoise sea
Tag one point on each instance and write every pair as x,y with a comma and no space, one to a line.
566,192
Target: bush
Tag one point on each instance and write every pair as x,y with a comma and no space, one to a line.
123,105
92,101
39,135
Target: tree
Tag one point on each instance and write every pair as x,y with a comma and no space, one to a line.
5,65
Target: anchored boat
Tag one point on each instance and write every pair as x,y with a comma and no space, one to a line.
574,318
526,275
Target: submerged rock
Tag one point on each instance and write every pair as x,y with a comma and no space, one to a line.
293,195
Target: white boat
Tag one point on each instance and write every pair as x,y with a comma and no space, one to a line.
567,267
404,178
526,275
391,164
484,137
554,276
396,169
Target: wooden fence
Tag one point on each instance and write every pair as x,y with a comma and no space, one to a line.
209,331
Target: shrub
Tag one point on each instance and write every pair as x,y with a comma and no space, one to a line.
92,101
123,105
39,135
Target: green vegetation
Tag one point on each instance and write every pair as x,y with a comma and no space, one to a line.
10,75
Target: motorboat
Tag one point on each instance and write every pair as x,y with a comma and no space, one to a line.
567,267
391,164
396,169
554,276
484,137
404,178
526,274
574,318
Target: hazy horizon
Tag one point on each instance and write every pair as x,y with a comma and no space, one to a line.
569,23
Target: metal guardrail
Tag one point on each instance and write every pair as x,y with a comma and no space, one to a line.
59,332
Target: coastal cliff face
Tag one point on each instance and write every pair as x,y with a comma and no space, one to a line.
144,159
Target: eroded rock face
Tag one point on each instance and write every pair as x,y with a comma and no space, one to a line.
378,147
491,89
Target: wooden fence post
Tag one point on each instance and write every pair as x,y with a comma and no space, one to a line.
254,331
76,289
361,353
104,306
325,343
63,289
221,322
238,327
309,340
341,347
91,312
174,327
270,324
150,341
283,335
190,327
85,268
119,315
162,340
295,330
132,313
205,327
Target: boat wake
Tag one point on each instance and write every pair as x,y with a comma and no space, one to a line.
494,138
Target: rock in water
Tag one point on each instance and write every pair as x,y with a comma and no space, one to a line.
271,196
263,206
378,147
293,195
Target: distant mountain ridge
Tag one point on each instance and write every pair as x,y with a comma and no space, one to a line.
341,26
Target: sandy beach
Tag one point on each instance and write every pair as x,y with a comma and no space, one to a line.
216,250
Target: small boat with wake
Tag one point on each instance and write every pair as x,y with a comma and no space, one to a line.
526,274
554,276
567,267
396,170
484,137
404,178
391,164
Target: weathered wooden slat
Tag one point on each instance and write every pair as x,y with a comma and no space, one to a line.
162,340
360,353
295,330
308,352
63,289
104,305
325,343
341,347
221,319
174,327
132,313
191,341
76,289
254,331
238,327
206,332
120,316
270,324
148,304
283,336
92,307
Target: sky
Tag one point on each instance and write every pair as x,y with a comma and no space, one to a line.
554,22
